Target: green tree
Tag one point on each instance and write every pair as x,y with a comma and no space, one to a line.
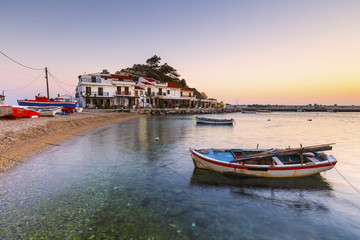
186,105
107,105
153,62
168,70
96,101
182,83
87,99
161,103
203,94
152,74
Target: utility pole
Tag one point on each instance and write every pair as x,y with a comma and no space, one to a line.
47,82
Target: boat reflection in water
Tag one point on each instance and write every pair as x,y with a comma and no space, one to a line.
298,193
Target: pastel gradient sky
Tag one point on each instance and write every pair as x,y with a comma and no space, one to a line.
245,52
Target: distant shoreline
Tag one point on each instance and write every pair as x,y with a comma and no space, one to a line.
296,108
22,138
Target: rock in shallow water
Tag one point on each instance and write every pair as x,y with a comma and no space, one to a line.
175,212
145,201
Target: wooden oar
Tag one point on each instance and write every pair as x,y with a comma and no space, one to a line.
285,152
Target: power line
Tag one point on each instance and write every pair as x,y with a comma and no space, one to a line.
66,84
56,81
20,63
24,74
25,85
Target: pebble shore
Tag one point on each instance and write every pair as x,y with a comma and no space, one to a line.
21,138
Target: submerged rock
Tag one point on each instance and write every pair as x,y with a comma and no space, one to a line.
145,201
175,212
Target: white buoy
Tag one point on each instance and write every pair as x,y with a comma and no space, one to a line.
157,139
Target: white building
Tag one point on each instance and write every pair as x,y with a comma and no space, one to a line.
105,90
173,96
140,97
155,90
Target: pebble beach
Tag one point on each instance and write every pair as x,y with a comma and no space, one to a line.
21,138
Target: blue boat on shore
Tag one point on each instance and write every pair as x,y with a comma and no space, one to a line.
44,101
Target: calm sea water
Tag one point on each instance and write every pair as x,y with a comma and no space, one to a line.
118,182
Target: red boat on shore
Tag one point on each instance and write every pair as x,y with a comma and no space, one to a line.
15,112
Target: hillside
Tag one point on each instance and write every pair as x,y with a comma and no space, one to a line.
163,73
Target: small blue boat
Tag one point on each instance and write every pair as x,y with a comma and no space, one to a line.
213,121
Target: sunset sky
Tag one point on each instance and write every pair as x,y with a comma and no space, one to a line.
245,52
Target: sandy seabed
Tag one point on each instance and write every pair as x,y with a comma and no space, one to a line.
22,138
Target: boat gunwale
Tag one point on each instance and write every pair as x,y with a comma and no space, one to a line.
330,162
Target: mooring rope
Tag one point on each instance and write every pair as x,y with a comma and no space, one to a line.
346,180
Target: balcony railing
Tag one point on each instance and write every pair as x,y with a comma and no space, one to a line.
90,80
123,93
93,94
160,94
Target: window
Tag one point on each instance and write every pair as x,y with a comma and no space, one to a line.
88,90
168,92
118,90
100,91
93,78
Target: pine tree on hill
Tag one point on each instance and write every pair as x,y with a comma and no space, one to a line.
163,73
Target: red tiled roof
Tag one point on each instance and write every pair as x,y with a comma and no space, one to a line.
186,89
140,88
172,85
120,76
146,83
150,79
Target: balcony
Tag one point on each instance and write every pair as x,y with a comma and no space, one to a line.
123,93
90,80
160,94
93,94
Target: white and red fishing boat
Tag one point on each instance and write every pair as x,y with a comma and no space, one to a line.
44,101
270,163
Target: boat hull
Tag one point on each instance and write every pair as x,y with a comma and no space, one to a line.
214,121
267,171
47,103
17,112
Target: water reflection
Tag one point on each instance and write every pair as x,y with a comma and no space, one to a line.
119,183
297,193
206,178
